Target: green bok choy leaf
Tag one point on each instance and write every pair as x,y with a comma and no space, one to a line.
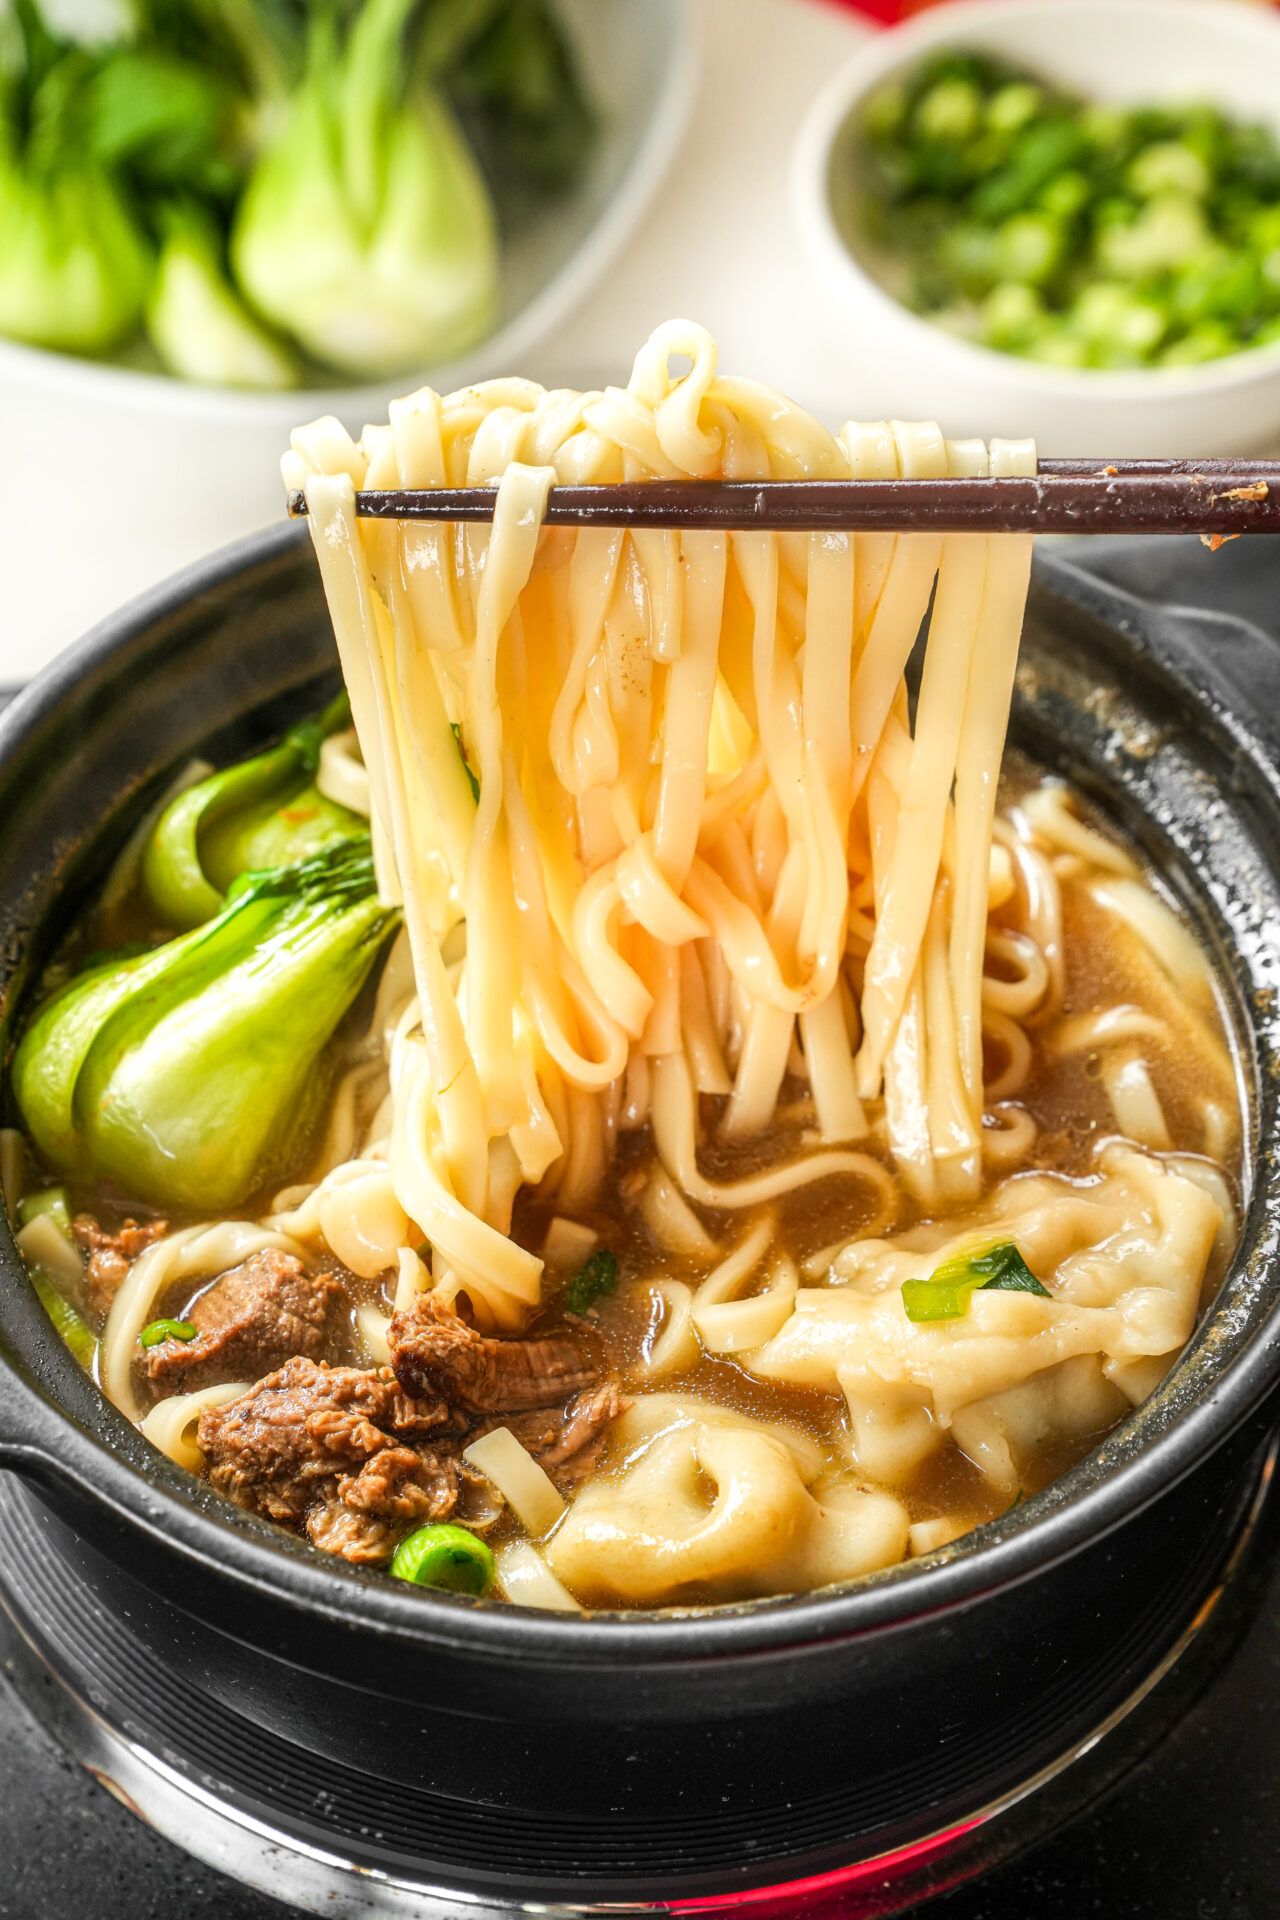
191,1074
74,260
72,1326
89,134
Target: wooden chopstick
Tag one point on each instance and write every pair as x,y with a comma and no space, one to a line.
1221,497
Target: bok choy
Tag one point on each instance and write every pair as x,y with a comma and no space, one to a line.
192,1073
200,327
72,1326
366,228
276,188
263,812
74,259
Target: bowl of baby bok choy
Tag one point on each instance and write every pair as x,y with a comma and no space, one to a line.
207,205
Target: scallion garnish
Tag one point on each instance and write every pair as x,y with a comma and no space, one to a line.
446,1557
945,1294
159,1330
599,1276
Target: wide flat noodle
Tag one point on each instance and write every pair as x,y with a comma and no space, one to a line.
690,759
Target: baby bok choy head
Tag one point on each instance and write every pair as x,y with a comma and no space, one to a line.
263,812
74,260
366,230
191,1074
198,324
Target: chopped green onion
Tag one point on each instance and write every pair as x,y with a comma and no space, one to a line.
969,176
51,1201
1028,247
945,1294
949,111
599,1276
1012,316
925,1300
884,112
446,1557
1058,347
1066,195
1168,166
159,1330
1014,106
474,784
1009,1272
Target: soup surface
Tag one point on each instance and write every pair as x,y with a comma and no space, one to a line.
1125,1082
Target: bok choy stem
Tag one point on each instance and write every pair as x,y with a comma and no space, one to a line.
190,1075
365,229
262,812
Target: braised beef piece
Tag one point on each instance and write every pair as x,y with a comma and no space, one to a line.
110,1251
356,1458
253,1318
327,1450
587,1418
565,1440
433,1351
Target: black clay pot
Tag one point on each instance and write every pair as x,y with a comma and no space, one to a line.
622,1758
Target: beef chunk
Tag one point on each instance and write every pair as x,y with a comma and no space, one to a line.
566,1441
254,1318
111,1252
574,1450
433,1351
357,1457
338,1452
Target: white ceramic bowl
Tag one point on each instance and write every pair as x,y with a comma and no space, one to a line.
114,479
1116,50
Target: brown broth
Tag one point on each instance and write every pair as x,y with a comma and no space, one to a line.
1106,965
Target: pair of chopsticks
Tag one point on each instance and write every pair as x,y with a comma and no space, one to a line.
1217,498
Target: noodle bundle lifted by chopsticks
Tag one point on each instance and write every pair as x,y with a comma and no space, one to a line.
655,808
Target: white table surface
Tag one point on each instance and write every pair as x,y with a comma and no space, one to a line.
716,246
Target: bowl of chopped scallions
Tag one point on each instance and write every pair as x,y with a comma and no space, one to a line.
1060,217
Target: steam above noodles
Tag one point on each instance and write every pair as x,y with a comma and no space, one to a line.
706,848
